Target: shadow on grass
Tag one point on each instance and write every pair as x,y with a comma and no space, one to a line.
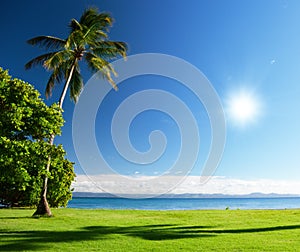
236,231
37,240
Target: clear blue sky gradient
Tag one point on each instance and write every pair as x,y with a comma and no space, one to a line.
251,44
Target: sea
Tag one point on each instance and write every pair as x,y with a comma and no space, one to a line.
184,203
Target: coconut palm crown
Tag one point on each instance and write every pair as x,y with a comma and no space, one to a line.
88,41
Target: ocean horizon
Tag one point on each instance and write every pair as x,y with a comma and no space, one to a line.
185,203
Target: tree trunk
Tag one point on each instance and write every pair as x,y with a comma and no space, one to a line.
43,208
63,94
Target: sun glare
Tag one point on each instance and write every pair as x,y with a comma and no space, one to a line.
243,108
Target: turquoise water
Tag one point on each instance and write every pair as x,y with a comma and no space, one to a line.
185,204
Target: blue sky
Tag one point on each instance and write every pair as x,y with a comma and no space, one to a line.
250,47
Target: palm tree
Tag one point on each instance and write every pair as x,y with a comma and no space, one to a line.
87,41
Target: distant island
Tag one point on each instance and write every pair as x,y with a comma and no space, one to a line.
184,196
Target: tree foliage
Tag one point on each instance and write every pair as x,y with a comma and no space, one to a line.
88,41
26,124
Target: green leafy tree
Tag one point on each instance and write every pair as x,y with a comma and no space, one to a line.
87,41
25,123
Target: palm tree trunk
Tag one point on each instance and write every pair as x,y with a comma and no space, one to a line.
64,92
43,206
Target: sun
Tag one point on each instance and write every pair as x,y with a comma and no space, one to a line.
243,108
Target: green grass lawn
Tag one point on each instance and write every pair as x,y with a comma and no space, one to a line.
136,230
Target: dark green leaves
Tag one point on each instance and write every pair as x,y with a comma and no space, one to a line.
39,60
91,18
109,49
47,42
100,65
22,166
76,84
25,122
23,114
87,40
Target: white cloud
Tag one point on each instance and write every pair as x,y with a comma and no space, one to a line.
116,184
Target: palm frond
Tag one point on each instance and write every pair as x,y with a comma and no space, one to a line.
75,25
86,34
92,18
110,49
90,37
47,42
76,84
97,64
57,76
50,85
38,60
58,59
75,39
106,73
101,34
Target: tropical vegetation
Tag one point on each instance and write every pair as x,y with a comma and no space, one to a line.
26,124
87,41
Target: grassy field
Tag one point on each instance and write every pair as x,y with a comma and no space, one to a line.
131,230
